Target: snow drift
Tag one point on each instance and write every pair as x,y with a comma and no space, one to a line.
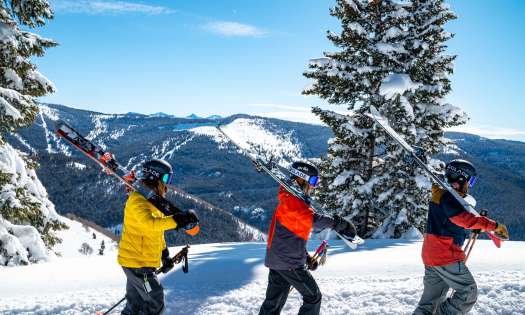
381,277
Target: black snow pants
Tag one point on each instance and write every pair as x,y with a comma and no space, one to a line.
279,283
144,293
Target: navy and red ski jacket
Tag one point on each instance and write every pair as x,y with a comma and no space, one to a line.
447,227
292,222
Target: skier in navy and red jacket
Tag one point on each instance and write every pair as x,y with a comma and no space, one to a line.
286,253
442,255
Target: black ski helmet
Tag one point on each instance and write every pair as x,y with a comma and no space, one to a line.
460,171
156,170
306,171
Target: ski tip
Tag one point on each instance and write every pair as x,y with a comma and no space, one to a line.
193,231
358,240
495,239
374,111
60,123
352,243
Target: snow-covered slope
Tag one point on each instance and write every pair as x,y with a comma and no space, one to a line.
78,234
258,137
382,277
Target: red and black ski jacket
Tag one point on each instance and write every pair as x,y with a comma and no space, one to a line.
292,222
447,226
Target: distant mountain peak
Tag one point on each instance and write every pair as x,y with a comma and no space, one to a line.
193,116
161,115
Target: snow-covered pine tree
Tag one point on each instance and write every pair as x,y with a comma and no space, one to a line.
371,45
365,177
27,218
431,70
414,106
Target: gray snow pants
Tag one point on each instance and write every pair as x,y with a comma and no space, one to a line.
279,283
144,293
436,283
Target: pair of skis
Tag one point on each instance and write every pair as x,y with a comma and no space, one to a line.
281,176
383,123
109,164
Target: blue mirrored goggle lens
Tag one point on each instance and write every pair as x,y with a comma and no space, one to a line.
472,181
167,179
313,180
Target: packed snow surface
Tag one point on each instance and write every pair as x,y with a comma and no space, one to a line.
381,277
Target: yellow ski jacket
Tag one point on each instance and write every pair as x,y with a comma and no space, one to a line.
142,238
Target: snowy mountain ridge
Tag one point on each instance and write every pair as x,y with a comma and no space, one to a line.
212,169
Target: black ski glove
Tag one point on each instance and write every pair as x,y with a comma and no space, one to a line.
185,219
311,263
167,263
344,227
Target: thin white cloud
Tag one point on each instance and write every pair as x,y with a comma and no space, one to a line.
492,132
107,7
297,116
231,29
281,106
297,113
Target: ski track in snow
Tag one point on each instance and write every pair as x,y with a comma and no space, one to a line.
177,147
50,136
24,143
47,133
383,277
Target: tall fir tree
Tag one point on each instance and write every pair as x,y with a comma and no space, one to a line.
365,177
27,218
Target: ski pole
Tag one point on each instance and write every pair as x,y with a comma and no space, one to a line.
181,256
474,237
319,254
112,308
469,246
469,250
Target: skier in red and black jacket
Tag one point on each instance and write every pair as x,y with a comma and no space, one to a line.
442,254
286,253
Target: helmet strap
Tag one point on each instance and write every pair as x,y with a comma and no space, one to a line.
162,189
461,188
305,187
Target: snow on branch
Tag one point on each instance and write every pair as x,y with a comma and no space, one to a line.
397,84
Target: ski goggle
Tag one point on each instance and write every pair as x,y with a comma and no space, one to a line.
147,172
472,181
167,178
313,180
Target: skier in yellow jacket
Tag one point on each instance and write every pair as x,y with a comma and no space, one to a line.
142,247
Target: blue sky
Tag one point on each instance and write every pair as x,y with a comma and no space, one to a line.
230,56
